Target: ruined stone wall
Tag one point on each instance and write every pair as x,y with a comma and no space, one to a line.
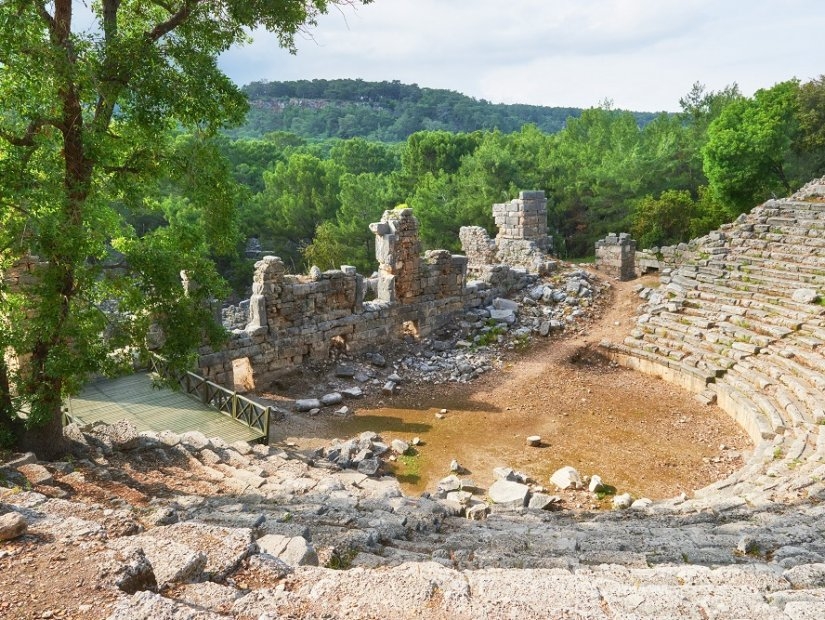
521,241
293,319
616,256
523,218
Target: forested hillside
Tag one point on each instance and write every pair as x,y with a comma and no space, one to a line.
385,111
667,180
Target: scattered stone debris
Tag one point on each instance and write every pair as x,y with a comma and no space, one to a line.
474,344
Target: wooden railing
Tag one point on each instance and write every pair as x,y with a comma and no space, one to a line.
247,412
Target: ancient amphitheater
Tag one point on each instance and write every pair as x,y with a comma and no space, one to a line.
738,320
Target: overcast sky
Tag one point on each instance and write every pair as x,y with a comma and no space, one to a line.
641,54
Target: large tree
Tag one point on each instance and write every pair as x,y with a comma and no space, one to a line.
89,99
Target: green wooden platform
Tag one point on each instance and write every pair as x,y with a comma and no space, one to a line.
153,408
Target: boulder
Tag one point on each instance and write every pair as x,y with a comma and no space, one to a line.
12,525
344,372
596,484
36,474
508,495
369,467
499,303
542,501
306,404
504,473
399,446
195,440
641,503
805,296
622,501
294,551
477,512
450,483
567,478
333,398
506,316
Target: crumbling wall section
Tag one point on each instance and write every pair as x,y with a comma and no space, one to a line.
616,256
478,247
293,319
522,239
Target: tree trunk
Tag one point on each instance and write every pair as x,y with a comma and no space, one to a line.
10,425
45,440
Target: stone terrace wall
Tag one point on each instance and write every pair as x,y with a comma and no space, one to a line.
616,256
293,319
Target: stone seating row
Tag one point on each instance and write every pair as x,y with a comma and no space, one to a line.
727,319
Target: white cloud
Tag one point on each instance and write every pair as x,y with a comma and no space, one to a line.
642,54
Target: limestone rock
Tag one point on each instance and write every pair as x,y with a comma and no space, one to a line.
171,561
567,478
450,483
353,392
294,551
369,466
477,512
306,404
195,440
12,525
344,372
508,495
806,576
805,296
622,501
145,604
399,446
641,504
504,473
333,398
533,441
596,484
542,501
36,474
500,303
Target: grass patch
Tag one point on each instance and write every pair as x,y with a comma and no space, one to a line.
606,491
407,468
341,561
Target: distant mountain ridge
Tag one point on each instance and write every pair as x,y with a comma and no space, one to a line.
385,111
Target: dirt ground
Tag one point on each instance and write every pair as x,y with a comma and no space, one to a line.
639,433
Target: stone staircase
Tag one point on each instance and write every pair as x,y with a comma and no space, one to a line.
744,323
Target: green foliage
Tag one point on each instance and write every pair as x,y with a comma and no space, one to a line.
347,239
675,216
94,182
749,151
386,111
